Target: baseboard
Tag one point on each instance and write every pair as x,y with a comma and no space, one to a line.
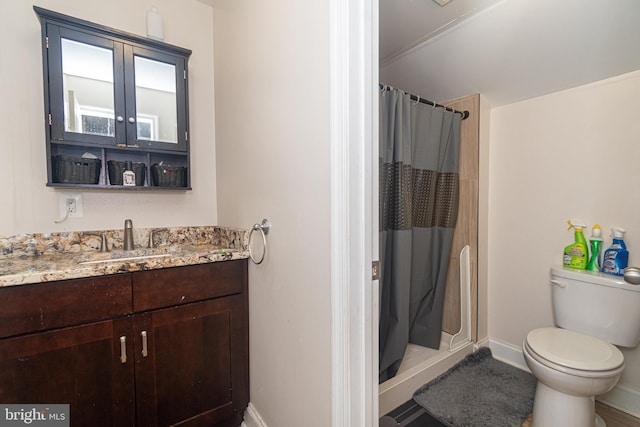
252,418
622,398
508,353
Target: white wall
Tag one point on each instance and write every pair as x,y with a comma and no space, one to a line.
26,204
272,135
571,154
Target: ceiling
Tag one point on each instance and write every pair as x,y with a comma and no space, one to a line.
507,50
407,23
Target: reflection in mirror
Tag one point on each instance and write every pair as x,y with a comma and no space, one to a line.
88,88
156,103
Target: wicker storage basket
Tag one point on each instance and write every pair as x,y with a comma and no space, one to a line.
169,176
76,170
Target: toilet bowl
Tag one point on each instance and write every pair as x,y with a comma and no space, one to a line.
571,369
578,360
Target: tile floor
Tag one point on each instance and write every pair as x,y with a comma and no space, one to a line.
409,414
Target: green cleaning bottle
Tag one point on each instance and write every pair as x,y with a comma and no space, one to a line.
596,242
576,254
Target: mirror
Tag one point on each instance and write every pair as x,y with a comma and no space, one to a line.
156,111
87,82
89,93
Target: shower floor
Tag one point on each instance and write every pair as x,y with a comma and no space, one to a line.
419,366
415,355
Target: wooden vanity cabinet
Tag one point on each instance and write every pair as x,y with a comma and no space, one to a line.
197,363
60,344
186,359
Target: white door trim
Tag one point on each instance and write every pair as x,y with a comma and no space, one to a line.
353,115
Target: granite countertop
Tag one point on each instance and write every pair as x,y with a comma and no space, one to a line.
36,258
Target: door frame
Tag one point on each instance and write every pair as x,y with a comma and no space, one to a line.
354,211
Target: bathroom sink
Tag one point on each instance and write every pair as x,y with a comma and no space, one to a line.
126,258
132,255
141,254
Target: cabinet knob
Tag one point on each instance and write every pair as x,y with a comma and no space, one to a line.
120,119
132,120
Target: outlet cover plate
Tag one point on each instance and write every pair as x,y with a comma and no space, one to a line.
63,205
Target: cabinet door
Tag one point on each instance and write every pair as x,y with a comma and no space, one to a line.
103,91
80,366
156,99
196,366
86,87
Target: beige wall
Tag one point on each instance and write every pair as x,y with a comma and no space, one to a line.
26,204
571,154
272,134
273,124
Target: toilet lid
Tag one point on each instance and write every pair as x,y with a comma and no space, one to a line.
574,350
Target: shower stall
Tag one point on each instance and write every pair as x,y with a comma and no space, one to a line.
459,327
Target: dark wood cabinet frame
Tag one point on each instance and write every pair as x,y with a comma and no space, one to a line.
125,144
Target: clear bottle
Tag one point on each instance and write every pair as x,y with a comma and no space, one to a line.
129,176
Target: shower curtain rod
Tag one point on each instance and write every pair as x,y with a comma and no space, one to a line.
465,113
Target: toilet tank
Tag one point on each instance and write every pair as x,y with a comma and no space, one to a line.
596,304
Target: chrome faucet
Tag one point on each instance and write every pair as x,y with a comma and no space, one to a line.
127,243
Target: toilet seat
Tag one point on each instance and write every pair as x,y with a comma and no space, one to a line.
573,352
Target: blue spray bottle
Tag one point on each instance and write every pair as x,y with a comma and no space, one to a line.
616,258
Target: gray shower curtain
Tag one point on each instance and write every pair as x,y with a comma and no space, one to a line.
419,150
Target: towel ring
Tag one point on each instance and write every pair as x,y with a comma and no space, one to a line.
264,230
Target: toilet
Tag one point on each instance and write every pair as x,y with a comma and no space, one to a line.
578,359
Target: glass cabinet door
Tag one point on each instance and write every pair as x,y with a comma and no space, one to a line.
105,92
155,93
85,103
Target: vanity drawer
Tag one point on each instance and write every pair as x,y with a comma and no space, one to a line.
38,307
181,285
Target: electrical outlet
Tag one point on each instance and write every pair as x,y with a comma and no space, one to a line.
70,205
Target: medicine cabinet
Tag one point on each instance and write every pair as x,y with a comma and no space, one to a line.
111,98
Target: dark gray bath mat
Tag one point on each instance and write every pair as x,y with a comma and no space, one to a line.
479,392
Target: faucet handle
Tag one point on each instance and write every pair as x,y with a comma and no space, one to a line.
151,232
104,247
